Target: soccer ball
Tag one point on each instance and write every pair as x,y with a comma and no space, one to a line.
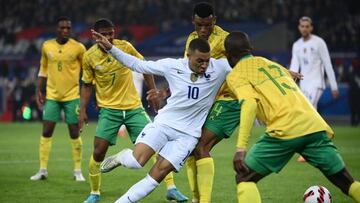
317,194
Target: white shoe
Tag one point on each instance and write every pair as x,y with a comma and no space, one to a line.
78,175
42,174
111,162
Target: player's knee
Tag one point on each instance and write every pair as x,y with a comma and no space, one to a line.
250,176
201,151
99,154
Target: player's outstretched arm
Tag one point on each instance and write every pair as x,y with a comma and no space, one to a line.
135,64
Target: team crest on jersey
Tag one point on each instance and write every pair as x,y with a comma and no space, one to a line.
194,77
207,76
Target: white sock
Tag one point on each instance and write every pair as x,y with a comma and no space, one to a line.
138,191
128,160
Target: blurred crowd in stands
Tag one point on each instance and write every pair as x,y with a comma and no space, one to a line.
338,22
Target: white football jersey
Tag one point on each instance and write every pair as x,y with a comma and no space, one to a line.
191,97
311,57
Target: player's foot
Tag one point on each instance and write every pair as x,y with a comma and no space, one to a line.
111,162
175,195
92,198
42,174
78,176
301,159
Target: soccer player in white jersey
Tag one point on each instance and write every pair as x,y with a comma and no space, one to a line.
193,82
309,57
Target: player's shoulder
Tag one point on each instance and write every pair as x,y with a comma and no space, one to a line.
49,42
119,43
220,64
92,50
220,32
317,39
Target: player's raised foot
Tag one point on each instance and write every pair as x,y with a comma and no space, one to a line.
78,176
92,198
175,195
42,174
111,162
301,159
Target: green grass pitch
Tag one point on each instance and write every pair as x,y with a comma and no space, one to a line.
19,160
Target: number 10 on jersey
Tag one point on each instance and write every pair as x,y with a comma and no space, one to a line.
193,92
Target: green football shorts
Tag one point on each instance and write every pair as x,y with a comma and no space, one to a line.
110,121
223,118
52,111
271,154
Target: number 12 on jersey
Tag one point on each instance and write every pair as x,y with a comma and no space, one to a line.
193,92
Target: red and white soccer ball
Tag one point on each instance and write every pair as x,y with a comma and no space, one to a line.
317,194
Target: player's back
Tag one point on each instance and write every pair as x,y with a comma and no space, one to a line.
281,106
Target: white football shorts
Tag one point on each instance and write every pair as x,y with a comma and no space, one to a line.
171,144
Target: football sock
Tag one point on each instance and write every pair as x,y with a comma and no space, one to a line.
354,191
192,177
44,151
248,192
94,176
169,179
138,191
128,160
205,177
76,146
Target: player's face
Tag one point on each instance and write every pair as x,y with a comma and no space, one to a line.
109,33
199,61
305,28
64,29
204,26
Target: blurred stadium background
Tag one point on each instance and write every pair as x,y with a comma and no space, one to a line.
158,28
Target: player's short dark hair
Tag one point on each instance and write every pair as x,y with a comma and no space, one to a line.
203,10
306,18
103,23
200,45
237,43
63,18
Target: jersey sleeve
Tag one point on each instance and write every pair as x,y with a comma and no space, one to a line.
140,66
325,58
87,71
43,71
82,50
295,63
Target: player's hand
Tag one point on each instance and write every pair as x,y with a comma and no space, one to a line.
83,119
102,41
335,94
296,76
239,161
154,97
40,99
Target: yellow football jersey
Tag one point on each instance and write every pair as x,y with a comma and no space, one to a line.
280,104
217,50
61,64
114,84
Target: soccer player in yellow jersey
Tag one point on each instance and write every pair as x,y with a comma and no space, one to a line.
266,90
116,96
59,76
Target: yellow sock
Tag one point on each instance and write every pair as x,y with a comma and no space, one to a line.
205,178
169,179
76,146
94,176
354,191
44,151
192,177
248,192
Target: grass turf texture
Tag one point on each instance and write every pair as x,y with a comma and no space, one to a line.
19,160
